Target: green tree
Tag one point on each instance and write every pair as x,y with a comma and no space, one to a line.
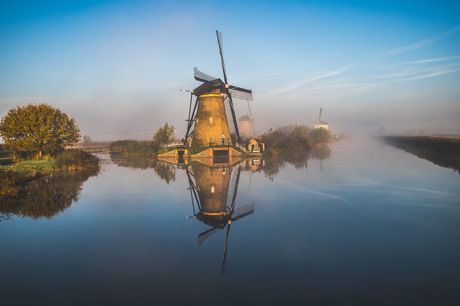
164,135
320,135
41,129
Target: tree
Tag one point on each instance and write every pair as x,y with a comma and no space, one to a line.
320,135
40,129
87,140
164,135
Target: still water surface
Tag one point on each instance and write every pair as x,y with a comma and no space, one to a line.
371,224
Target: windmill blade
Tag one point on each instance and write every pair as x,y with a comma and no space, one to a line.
224,261
219,42
203,77
236,88
206,234
252,121
191,118
235,191
241,93
243,211
232,109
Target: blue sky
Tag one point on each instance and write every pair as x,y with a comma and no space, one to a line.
118,66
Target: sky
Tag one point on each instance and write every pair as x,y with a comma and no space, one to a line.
118,67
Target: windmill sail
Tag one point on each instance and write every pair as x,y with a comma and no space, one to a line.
206,234
203,77
243,211
241,93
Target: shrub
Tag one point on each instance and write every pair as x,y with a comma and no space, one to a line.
320,135
74,159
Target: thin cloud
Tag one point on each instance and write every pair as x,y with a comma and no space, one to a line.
425,75
430,75
420,44
315,78
432,60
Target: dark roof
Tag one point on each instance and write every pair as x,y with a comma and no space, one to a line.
206,88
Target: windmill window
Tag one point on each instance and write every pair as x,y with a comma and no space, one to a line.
212,188
223,139
210,120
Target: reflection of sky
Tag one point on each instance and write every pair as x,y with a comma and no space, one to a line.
377,224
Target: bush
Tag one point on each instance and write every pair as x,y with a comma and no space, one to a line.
137,148
287,140
74,159
320,135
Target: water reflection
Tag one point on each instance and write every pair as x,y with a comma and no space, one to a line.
165,171
46,197
298,160
213,192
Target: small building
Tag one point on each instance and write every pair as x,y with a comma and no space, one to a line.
256,145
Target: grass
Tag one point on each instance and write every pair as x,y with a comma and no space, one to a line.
31,165
67,160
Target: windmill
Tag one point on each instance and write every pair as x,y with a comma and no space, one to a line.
207,120
246,125
321,124
215,197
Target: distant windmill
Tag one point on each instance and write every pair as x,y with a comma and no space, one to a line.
321,124
215,197
207,121
246,125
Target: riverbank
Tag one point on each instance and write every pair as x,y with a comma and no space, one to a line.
14,176
442,151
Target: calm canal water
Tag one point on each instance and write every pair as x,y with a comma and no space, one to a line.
367,225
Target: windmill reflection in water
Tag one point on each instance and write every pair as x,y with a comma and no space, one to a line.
213,191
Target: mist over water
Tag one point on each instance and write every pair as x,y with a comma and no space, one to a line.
366,224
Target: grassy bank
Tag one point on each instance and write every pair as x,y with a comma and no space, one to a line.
67,160
444,152
14,176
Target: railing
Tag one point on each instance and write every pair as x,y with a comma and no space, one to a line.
240,146
97,149
219,144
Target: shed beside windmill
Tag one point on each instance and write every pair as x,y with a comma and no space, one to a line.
256,145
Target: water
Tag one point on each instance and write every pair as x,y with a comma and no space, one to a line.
371,224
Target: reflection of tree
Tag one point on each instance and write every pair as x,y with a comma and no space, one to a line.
299,160
321,152
46,197
272,167
167,172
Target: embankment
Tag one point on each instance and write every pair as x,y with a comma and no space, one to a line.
442,151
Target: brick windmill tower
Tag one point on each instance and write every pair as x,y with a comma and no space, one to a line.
207,123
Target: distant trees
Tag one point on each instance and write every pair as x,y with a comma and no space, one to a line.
294,139
87,140
40,129
164,135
